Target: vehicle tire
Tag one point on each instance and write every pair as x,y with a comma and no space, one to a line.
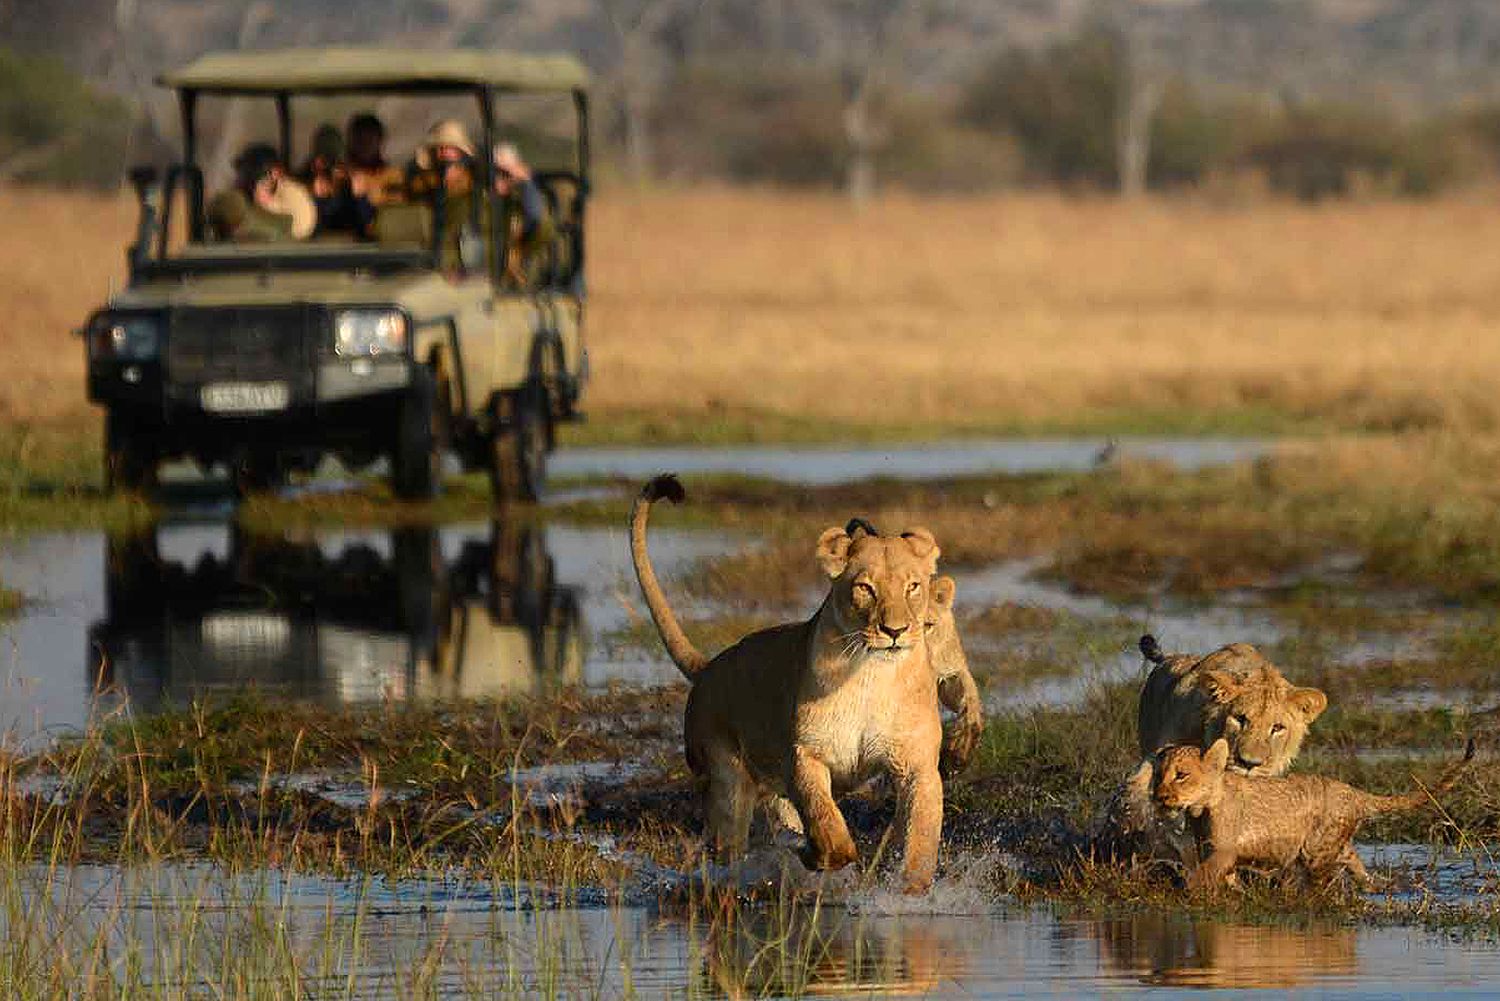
417,458
129,458
422,588
519,444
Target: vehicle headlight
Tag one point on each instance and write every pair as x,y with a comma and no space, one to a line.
127,337
359,333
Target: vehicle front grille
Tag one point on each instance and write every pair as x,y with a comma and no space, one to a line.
249,344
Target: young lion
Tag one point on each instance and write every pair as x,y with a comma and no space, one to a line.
957,689
1304,820
1233,693
809,709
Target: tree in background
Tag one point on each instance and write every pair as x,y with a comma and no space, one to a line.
57,127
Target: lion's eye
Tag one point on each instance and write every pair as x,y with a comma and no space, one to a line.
864,590
1277,728
1240,720
914,587
1179,776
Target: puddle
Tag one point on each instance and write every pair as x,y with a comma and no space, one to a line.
372,938
821,466
1176,626
339,616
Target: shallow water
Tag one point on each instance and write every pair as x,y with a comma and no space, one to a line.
465,938
339,616
816,465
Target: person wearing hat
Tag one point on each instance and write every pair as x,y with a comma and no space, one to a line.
264,204
445,158
445,162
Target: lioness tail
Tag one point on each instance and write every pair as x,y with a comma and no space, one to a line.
686,656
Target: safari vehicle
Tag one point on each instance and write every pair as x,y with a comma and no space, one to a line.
266,357
383,616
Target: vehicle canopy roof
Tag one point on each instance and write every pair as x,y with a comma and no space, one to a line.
331,70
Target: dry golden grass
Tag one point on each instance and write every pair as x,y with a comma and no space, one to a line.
59,255
1041,309
1006,311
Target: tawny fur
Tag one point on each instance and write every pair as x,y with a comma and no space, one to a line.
957,689
810,709
1305,821
1233,693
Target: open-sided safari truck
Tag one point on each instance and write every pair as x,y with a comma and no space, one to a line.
431,337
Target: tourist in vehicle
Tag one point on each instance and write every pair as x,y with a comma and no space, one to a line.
513,180
446,159
372,180
264,204
532,228
326,175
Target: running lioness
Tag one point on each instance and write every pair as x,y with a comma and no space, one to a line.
810,709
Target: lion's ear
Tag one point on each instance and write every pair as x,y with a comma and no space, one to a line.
1217,755
923,545
833,551
944,590
1222,685
1310,702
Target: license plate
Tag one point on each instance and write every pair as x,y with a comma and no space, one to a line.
246,631
245,397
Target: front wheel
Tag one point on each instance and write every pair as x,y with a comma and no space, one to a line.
519,443
129,459
417,458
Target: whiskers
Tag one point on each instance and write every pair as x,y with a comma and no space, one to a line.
854,642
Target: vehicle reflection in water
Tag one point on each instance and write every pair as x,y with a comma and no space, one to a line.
1177,951
384,615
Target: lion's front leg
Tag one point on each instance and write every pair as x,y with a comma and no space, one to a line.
960,694
829,845
919,809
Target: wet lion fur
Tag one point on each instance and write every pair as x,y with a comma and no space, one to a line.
1304,821
809,709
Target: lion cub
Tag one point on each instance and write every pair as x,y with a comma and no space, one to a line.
1303,820
810,709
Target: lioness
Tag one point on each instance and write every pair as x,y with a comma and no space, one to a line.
808,709
957,690
1304,820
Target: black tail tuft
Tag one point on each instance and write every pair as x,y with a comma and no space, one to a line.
1151,650
664,487
859,524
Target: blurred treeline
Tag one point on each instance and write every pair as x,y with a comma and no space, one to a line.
932,95
1050,117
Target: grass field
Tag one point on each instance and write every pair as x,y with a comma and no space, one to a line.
757,315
